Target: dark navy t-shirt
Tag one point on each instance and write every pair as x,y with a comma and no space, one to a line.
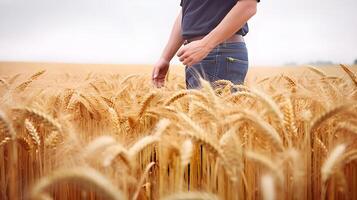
200,17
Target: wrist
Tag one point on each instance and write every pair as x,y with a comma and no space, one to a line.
209,42
165,60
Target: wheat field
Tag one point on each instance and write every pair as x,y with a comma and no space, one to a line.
111,135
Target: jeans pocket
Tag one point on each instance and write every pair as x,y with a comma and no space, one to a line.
236,68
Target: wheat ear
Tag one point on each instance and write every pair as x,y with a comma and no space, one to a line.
232,151
141,144
327,115
97,144
43,117
4,82
113,152
13,79
37,75
161,127
21,87
88,178
5,126
52,139
332,161
4,141
198,135
32,131
317,71
262,125
350,74
145,104
176,97
186,152
268,190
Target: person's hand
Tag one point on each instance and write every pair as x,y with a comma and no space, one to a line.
194,52
159,72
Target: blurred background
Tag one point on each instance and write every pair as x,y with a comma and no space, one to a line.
134,32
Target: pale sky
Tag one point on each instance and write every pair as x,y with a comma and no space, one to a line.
135,31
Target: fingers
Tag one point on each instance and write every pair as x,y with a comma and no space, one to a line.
157,80
188,61
181,51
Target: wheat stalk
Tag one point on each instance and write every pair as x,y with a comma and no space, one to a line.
268,163
142,179
191,196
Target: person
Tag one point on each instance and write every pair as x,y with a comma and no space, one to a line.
210,35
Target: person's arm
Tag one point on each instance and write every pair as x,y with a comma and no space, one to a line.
233,21
163,64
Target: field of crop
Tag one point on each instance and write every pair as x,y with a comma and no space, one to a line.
103,133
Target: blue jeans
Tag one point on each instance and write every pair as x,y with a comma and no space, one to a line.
228,61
